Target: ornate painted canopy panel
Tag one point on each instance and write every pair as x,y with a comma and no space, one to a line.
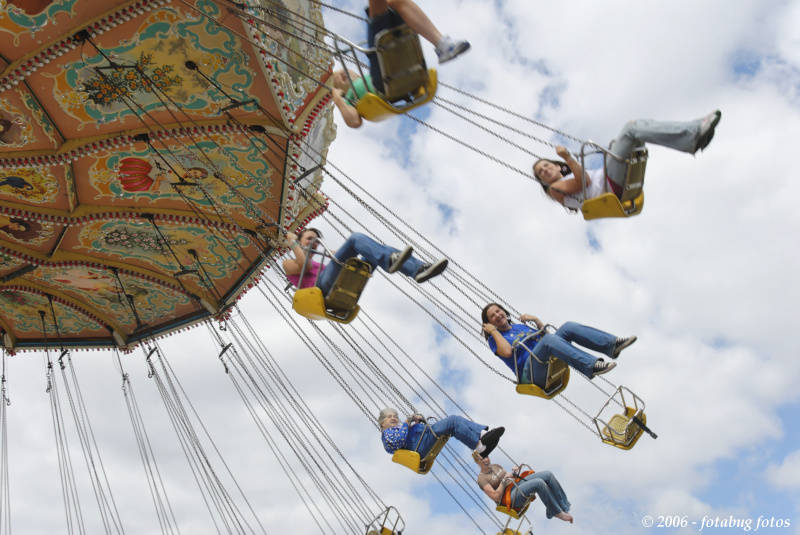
151,154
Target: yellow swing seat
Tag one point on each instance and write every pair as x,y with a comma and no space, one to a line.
411,459
622,432
632,200
388,522
341,305
373,107
557,380
407,82
609,205
514,514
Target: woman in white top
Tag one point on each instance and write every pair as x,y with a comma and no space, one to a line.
561,179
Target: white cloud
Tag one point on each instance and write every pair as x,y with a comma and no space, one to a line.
786,475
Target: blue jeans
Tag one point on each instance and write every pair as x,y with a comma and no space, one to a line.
547,487
368,249
465,431
558,345
678,135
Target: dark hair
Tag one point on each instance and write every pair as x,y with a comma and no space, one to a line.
485,315
565,170
310,229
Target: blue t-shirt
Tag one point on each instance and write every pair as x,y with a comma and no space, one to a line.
516,332
401,437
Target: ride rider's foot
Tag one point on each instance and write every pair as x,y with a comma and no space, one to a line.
489,440
621,344
602,366
428,271
706,132
398,258
566,517
447,48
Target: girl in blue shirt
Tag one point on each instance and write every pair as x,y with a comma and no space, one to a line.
506,340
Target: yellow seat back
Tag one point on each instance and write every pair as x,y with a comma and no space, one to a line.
401,62
341,305
557,380
634,175
374,108
348,286
621,432
608,205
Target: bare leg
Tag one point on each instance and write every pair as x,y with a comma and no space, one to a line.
411,13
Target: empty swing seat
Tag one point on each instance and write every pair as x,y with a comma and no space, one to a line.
622,432
388,522
341,304
411,459
557,380
407,83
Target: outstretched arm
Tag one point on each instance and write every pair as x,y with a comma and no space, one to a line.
568,186
534,319
293,266
349,112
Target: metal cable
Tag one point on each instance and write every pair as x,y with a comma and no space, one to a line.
284,429
342,11
513,113
294,396
164,512
172,380
5,494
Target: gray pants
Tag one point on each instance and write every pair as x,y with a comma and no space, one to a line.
678,135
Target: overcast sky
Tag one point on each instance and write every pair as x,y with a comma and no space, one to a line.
705,276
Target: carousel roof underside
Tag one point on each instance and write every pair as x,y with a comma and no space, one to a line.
150,154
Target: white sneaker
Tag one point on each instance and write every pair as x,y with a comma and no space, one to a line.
398,258
707,127
428,271
602,366
448,49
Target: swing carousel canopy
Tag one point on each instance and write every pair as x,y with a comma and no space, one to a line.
152,153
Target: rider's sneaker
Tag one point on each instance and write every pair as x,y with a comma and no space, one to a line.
398,258
602,366
489,441
428,271
448,48
621,344
707,127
